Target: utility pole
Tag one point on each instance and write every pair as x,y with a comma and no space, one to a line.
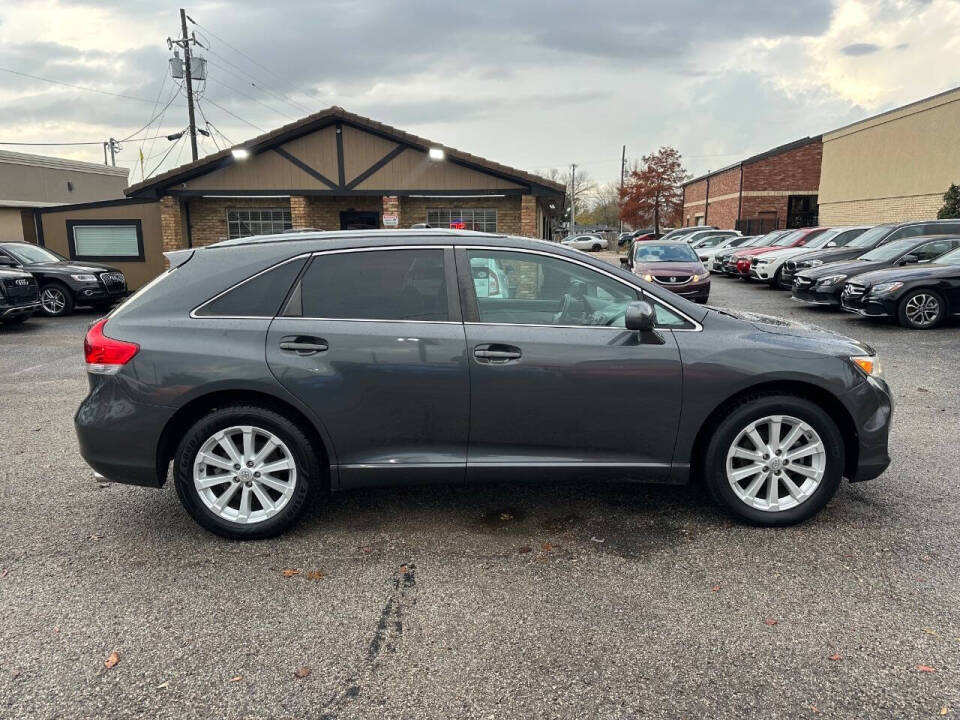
189,78
623,167
114,146
573,198
105,154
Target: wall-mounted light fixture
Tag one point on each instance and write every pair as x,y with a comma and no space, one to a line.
240,153
436,153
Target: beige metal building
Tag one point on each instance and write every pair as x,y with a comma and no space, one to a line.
893,166
30,182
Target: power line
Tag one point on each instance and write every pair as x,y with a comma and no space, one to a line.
253,99
252,81
159,114
215,104
77,87
55,144
166,154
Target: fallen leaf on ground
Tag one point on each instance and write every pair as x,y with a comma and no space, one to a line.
925,668
931,631
922,389
524,549
302,672
547,547
835,657
814,708
506,516
95,537
770,621
598,540
112,660
236,678
164,685
715,588
944,710
56,628
15,673
4,573
366,548
316,575
290,572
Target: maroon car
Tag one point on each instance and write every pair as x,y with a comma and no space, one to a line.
674,265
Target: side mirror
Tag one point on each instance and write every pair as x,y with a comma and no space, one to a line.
640,316
831,244
909,260
7,261
625,262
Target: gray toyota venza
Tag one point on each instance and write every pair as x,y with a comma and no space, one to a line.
269,369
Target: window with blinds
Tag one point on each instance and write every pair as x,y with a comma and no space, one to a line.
112,240
480,219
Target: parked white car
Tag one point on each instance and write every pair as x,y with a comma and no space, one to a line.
709,247
695,237
768,266
586,242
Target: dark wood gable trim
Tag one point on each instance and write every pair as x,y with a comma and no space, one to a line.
312,172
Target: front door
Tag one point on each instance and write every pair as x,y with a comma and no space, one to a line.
372,341
556,381
357,220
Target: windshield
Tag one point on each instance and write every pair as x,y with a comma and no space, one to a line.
788,239
890,250
650,253
869,237
822,239
950,258
709,242
27,254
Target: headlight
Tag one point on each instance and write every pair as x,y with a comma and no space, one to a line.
648,277
84,278
884,288
831,279
700,276
704,258
763,260
811,263
869,364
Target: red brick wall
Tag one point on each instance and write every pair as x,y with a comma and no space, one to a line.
724,199
693,193
797,169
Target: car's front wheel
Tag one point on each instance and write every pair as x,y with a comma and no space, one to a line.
775,460
921,309
245,472
55,300
596,247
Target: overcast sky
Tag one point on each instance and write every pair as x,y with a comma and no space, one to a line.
534,84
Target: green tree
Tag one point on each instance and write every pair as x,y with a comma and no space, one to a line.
951,203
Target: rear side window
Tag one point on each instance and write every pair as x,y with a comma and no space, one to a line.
259,296
376,285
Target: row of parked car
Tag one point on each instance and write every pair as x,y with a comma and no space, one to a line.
34,279
908,271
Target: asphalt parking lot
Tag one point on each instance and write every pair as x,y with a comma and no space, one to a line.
551,600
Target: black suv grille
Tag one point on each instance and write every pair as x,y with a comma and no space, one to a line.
20,290
114,282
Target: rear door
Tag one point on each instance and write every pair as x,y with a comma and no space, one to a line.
371,339
556,381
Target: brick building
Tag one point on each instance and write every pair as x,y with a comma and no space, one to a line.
330,171
774,189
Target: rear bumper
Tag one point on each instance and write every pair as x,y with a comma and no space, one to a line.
118,437
19,310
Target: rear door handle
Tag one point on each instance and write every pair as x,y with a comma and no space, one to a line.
496,353
303,344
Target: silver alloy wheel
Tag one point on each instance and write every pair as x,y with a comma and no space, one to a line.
244,474
52,300
776,463
922,309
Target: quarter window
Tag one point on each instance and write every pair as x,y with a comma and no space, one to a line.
113,240
242,222
376,285
479,219
259,296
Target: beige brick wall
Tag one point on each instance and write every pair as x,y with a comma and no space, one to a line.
171,224
863,212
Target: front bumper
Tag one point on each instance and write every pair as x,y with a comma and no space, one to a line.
813,295
96,294
869,306
871,405
13,311
697,292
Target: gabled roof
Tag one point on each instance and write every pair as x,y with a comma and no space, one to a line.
156,185
779,150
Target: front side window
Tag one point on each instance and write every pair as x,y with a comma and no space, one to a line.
542,290
243,222
479,219
376,285
114,240
889,251
933,250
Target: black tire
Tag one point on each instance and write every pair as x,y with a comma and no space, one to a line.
61,291
775,281
904,318
596,248
739,417
309,471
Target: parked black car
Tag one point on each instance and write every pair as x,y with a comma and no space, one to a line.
267,370
866,241
19,298
919,296
823,285
65,283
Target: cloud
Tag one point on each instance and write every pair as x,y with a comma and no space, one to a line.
860,49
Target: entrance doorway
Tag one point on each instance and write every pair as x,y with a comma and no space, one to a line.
356,220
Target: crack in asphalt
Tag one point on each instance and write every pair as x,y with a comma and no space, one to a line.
386,638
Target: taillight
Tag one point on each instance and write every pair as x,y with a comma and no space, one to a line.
493,285
105,355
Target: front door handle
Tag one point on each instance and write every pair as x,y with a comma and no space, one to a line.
303,344
496,353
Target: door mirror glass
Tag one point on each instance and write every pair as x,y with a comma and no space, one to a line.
832,243
640,316
909,260
7,261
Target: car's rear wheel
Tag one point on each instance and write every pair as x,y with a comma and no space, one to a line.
775,460
596,247
55,300
921,309
245,472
